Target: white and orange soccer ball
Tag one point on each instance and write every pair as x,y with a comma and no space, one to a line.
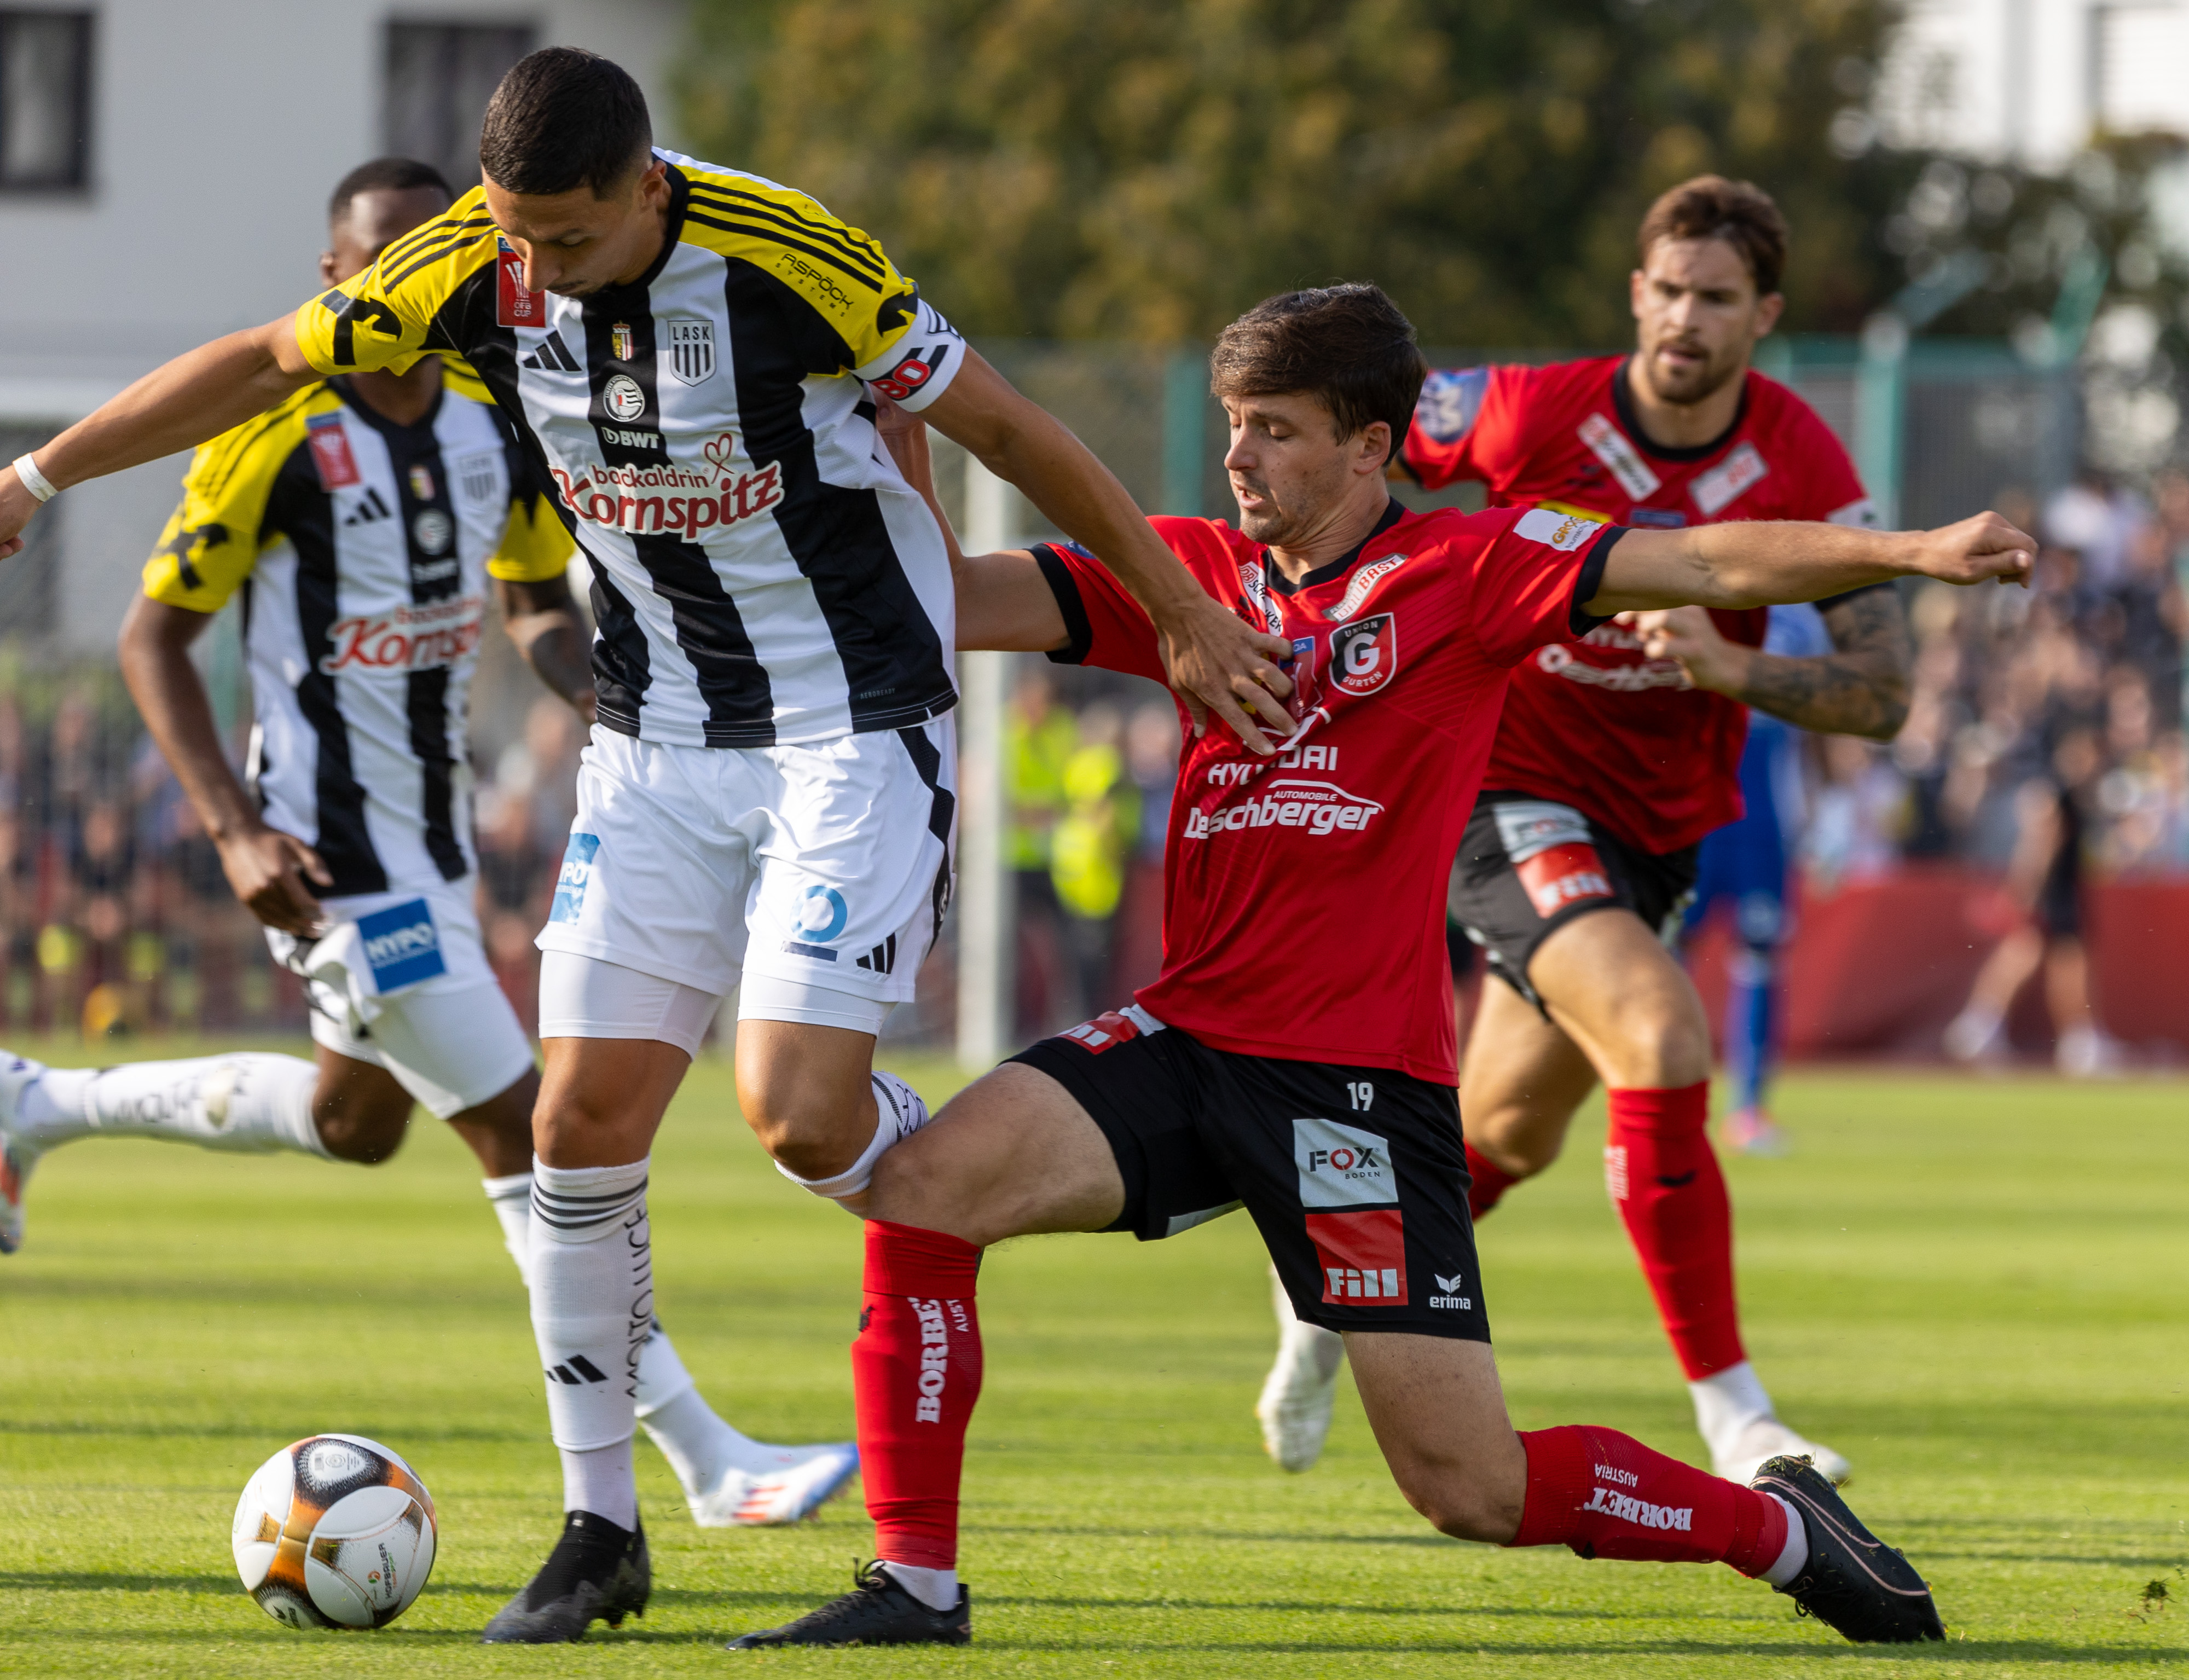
335,1531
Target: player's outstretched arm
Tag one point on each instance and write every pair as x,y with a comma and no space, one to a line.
1765,564
1004,605
1858,688
198,395
267,869
1215,662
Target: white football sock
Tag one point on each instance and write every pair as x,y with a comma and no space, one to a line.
510,1198
249,1102
601,1481
699,1446
899,1112
1795,1553
1726,1403
592,1310
937,1589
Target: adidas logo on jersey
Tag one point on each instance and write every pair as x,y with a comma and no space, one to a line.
368,508
553,356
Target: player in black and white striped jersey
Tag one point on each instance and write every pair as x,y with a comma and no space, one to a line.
364,521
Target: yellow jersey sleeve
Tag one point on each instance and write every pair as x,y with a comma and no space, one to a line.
389,316
872,321
535,544
212,538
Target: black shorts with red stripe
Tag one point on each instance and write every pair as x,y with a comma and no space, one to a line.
1528,866
1354,1176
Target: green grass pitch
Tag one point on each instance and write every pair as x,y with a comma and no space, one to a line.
1975,1289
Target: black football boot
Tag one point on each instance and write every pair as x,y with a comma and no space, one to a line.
876,1611
1853,1581
597,1572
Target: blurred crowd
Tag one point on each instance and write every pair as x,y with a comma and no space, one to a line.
2076,682
114,913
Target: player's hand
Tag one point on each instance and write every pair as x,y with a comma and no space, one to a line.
17,505
1689,636
268,871
1976,551
1217,663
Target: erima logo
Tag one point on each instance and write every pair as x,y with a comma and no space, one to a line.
1448,1298
577,1371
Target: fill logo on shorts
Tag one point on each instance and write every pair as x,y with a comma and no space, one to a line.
402,946
576,876
1363,1256
1552,852
1108,1031
1563,875
1341,1165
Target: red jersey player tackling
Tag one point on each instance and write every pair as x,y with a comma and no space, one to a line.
1305,975
1614,757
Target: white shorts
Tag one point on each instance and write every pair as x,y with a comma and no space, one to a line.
817,874
401,981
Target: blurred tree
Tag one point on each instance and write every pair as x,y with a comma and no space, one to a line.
1087,167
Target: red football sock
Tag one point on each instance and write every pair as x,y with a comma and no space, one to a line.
1606,1496
1490,1182
916,1372
1663,1177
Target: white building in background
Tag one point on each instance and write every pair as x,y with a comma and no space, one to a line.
164,174
2029,82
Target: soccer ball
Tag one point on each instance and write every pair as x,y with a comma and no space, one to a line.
335,1531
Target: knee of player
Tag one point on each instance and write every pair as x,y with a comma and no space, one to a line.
1665,1046
1458,1504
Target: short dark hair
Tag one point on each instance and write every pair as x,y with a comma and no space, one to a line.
1739,213
561,119
1348,347
384,174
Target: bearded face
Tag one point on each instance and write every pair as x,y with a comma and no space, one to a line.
1697,318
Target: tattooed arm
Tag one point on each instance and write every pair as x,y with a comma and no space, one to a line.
1859,688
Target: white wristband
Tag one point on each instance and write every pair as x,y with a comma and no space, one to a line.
34,481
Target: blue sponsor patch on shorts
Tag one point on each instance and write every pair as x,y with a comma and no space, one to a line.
402,945
577,875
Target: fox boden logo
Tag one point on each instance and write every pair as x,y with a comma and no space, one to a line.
1341,1165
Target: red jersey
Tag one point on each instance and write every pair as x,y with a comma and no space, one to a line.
1598,726
1303,894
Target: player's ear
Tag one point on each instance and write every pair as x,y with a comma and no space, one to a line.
1375,447
1636,282
327,275
1767,312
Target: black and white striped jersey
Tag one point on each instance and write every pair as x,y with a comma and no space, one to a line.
762,573
362,548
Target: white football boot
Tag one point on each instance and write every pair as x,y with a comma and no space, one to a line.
1764,1439
1301,1388
17,1075
803,1479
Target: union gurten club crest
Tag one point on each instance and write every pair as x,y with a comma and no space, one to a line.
1364,655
